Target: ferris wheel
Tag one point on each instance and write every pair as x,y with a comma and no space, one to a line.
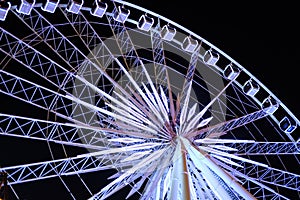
106,100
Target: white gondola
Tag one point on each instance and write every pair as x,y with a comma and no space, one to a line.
99,8
287,125
121,14
231,72
270,105
25,6
145,23
168,33
50,5
211,57
74,6
4,8
189,44
251,87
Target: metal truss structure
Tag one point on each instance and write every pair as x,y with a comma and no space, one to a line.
115,91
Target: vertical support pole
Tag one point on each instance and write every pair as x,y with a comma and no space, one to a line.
3,186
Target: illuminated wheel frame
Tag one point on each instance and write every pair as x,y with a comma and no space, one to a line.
115,90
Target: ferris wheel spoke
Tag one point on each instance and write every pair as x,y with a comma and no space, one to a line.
46,99
126,108
266,174
158,181
157,99
229,157
35,61
146,99
187,85
135,171
39,64
159,61
61,133
141,108
54,168
152,194
160,69
31,93
30,128
100,54
263,189
153,172
112,114
135,188
137,105
265,148
140,169
222,128
250,147
123,39
39,96
190,125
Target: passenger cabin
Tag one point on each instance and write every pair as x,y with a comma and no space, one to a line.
287,125
145,23
4,8
25,6
251,87
231,72
211,57
121,14
168,33
50,5
99,8
189,44
74,6
270,105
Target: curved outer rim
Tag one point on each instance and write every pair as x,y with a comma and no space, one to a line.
176,25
